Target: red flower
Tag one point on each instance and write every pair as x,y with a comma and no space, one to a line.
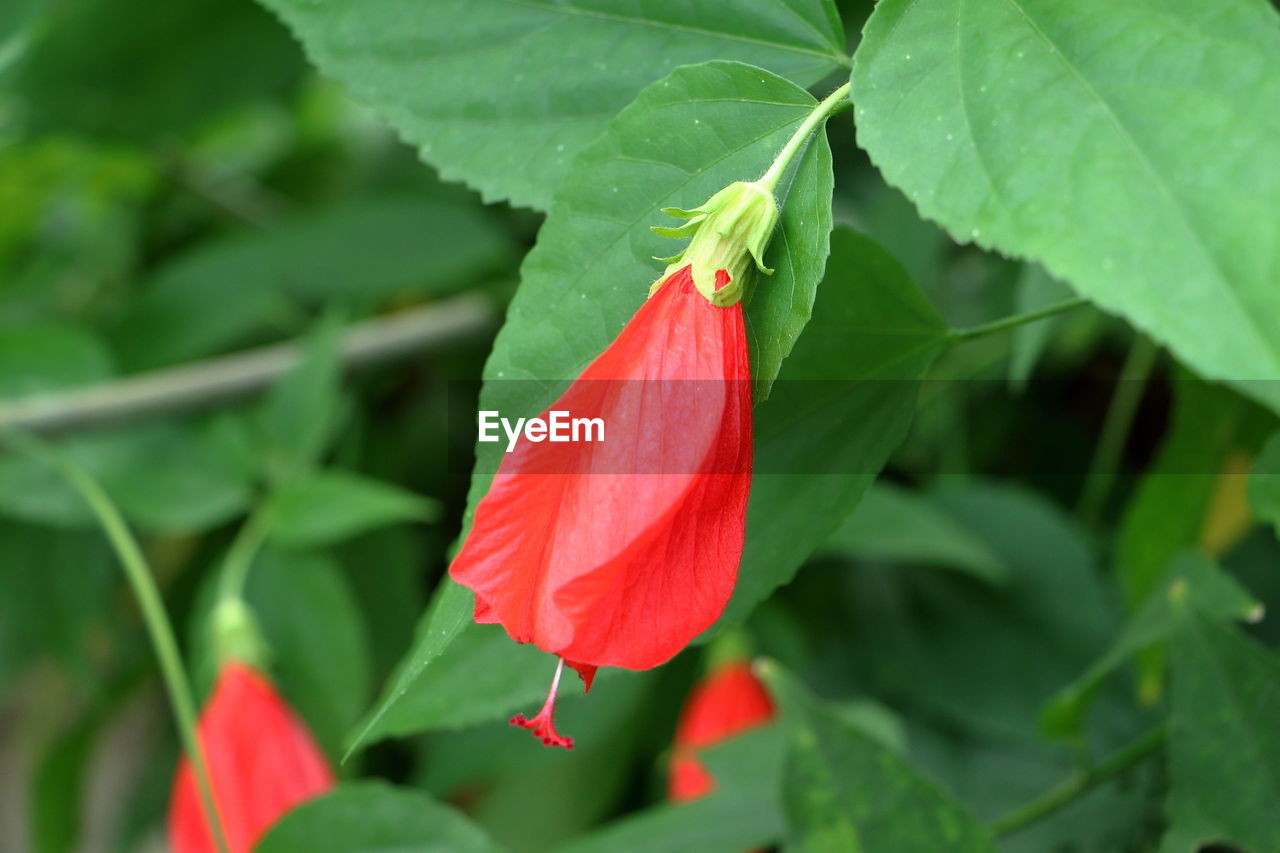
726,703
262,762
619,552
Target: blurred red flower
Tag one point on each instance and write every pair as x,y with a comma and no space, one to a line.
262,762
726,703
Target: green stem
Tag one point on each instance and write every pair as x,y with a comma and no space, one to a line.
1067,791
957,336
149,602
821,113
1115,429
240,556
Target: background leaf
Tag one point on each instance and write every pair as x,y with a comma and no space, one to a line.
1224,752
322,508
843,403
365,252
1030,127
843,790
144,74
902,526
1264,483
1191,580
542,79
742,812
374,816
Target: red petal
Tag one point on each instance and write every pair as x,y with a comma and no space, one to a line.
261,758
619,553
728,702
586,672
689,778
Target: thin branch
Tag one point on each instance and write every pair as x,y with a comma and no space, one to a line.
1069,790
154,616
210,383
956,336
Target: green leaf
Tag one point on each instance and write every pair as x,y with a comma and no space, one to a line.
1192,579
145,71
384,569
322,508
445,619
372,816
219,293
741,813
900,525
166,478
844,791
970,655
38,358
682,139
503,95
52,585
843,403
1224,750
1095,138
482,676
301,414
1264,483
532,798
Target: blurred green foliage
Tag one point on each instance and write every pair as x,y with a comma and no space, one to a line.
178,184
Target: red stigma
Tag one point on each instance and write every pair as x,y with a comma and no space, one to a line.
543,723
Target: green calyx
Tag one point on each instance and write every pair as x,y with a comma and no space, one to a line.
730,232
236,635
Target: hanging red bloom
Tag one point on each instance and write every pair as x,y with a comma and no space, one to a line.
728,702
618,553
262,762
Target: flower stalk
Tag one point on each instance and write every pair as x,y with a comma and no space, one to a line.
159,629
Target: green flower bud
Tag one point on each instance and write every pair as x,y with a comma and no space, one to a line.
236,635
730,232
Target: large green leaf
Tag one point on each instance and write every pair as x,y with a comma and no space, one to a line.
1224,748
483,676
445,619
846,792
682,139
503,93
1119,143
369,816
